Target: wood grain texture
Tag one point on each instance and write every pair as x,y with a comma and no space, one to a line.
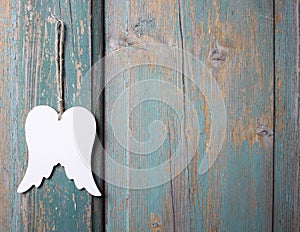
234,39
236,193
9,199
286,155
28,68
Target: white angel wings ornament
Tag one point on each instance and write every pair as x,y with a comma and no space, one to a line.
68,142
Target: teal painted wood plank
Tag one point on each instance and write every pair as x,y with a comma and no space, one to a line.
10,215
117,199
286,185
238,189
236,193
57,205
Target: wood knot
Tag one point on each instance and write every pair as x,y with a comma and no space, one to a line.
263,131
154,223
143,26
217,56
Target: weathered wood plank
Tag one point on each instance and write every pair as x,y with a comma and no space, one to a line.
236,193
286,173
30,81
242,176
116,205
10,201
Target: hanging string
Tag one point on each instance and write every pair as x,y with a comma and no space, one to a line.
59,47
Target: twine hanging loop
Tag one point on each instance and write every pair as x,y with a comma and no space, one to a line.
59,47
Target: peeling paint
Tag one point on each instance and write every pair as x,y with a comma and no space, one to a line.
74,200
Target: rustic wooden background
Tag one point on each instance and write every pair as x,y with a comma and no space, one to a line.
251,48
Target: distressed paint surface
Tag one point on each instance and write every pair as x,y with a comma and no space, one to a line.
236,193
28,79
286,156
233,38
10,202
